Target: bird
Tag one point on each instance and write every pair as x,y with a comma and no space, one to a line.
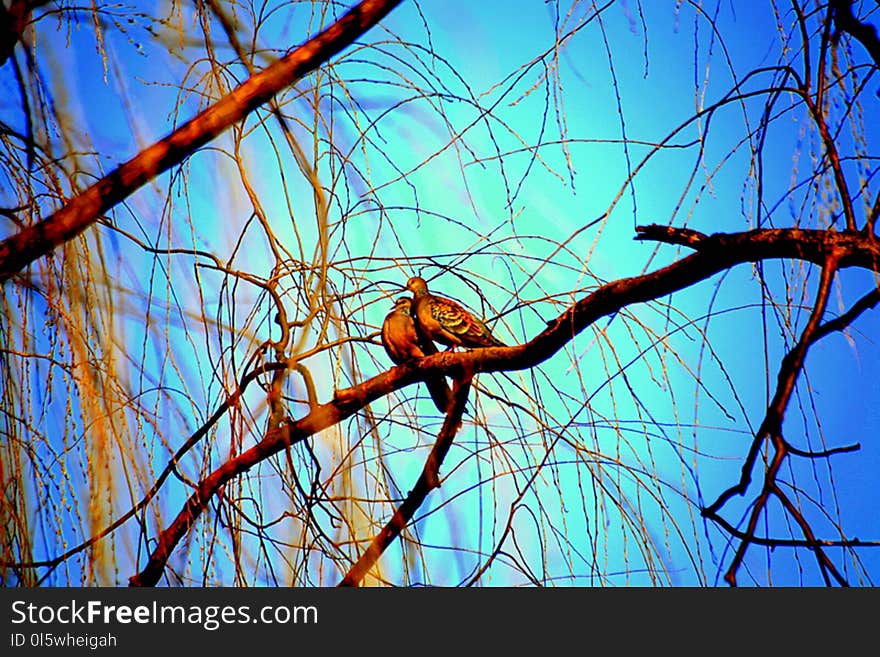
446,321
404,344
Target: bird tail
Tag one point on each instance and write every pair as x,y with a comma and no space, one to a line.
441,394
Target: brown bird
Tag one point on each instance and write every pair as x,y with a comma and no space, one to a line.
403,344
447,321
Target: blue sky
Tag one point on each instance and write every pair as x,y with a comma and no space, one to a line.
455,164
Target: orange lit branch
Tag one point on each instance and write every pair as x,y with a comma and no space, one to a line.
33,242
713,254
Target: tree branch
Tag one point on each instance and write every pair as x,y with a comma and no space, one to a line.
837,324
427,481
845,21
13,22
715,253
21,249
771,429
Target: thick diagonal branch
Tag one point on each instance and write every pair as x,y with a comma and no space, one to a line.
19,250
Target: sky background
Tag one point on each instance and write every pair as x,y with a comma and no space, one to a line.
505,153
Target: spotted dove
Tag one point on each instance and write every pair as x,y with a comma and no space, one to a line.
446,321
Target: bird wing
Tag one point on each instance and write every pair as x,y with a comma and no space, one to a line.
458,321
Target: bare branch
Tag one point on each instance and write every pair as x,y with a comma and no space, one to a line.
19,250
716,253
866,34
771,429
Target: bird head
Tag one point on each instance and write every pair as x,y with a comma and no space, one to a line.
417,285
403,305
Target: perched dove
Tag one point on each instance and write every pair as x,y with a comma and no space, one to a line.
447,321
403,344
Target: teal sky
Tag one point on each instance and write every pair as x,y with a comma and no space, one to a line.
507,163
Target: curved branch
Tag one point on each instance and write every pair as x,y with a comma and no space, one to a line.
775,542
715,253
21,249
771,430
789,365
